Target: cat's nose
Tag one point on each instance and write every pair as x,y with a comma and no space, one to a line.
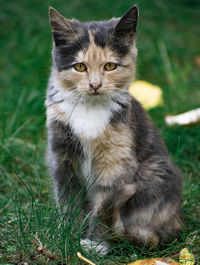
95,86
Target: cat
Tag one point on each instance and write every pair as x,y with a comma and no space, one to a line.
101,140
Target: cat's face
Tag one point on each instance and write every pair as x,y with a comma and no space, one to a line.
95,59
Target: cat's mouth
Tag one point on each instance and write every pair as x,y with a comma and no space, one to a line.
96,93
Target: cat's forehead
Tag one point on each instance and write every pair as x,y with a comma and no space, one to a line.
96,53
102,31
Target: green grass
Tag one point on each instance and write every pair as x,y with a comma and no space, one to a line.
168,42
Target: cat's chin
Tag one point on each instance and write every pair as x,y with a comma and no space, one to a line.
96,94
97,99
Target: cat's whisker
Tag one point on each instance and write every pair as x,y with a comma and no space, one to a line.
114,87
72,97
121,83
72,87
75,98
118,97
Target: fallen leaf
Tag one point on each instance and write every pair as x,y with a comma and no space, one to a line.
186,257
146,93
197,60
155,261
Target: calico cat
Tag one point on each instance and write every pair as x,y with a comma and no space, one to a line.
99,137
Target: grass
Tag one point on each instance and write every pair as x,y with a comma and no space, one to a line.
168,42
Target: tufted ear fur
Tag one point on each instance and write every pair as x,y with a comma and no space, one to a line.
128,23
63,29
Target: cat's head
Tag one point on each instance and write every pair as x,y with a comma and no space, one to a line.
94,59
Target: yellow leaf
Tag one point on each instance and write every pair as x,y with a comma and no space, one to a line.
186,257
146,93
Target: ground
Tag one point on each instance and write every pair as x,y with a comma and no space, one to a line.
168,42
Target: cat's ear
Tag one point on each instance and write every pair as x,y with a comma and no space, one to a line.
62,29
128,23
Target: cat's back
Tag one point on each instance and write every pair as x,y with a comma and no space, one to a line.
147,138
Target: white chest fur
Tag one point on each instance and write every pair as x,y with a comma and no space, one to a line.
89,121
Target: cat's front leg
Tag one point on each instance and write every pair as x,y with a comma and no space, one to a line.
105,224
64,152
67,187
96,237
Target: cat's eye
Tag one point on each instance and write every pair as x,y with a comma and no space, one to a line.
110,66
80,67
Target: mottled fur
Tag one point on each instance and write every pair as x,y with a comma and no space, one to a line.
104,142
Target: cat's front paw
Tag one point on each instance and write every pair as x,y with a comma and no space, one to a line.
90,245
